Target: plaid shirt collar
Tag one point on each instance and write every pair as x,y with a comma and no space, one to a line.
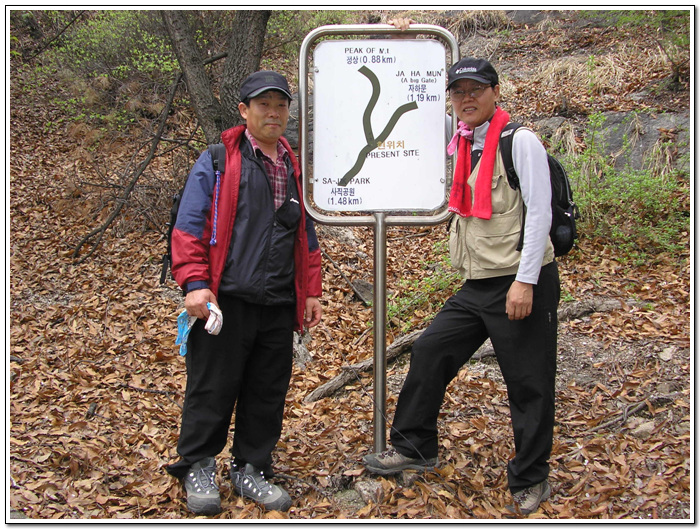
276,171
282,154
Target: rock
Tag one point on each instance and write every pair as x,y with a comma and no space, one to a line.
341,234
683,428
665,388
350,499
409,477
643,431
364,289
547,127
302,356
667,354
630,137
370,491
526,16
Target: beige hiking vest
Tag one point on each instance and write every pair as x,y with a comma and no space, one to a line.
481,248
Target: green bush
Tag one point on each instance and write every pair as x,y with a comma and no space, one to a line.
109,67
426,294
642,213
119,44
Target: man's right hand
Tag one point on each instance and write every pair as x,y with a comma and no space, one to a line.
196,302
401,23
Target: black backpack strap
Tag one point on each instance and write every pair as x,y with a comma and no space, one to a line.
505,142
218,156
168,257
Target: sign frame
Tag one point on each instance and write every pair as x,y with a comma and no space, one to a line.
379,220
419,218
379,125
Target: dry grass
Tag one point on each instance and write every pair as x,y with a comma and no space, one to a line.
564,139
468,23
636,129
663,157
614,73
508,88
463,25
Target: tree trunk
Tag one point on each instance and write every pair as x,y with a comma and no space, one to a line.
243,58
244,52
206,105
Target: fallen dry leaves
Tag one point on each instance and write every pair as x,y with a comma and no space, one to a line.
96,383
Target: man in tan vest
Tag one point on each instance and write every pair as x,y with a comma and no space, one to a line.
510,295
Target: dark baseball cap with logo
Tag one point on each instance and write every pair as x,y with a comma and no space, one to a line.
263,81
470,68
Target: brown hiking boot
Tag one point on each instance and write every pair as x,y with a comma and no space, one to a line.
528,500
392,462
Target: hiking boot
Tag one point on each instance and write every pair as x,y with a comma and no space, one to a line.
529,499
202,491
250,483
392,462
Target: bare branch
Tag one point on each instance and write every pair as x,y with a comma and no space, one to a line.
100,231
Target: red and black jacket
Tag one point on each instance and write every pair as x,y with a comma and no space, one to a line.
199,264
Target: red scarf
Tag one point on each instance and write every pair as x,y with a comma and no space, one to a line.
460,196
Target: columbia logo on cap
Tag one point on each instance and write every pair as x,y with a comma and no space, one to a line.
465,70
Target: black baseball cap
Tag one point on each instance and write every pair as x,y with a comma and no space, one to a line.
470,68
263,81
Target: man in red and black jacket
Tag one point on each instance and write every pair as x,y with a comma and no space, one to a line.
244,243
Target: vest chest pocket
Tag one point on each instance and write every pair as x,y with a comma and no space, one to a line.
496,240
503,197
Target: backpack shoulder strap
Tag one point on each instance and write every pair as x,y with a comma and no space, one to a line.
218,156
506,144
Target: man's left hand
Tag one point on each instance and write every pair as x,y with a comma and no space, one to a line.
519,301
312,315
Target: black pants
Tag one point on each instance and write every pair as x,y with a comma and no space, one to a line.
247,366
526,351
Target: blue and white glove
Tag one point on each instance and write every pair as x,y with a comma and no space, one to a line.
185,322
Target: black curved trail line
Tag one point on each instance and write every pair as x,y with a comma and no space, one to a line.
372,142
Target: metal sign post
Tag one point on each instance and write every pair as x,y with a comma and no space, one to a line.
379,308
379,143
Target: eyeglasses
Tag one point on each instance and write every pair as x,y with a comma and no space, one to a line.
474,92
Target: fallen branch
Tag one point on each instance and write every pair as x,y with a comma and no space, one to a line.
633,409
568,311
629,410
305,482
578,309
100,230
396,349
421,233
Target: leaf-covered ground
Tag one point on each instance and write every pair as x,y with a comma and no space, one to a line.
96,383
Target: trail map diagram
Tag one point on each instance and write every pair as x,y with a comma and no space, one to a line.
372,142
379,145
